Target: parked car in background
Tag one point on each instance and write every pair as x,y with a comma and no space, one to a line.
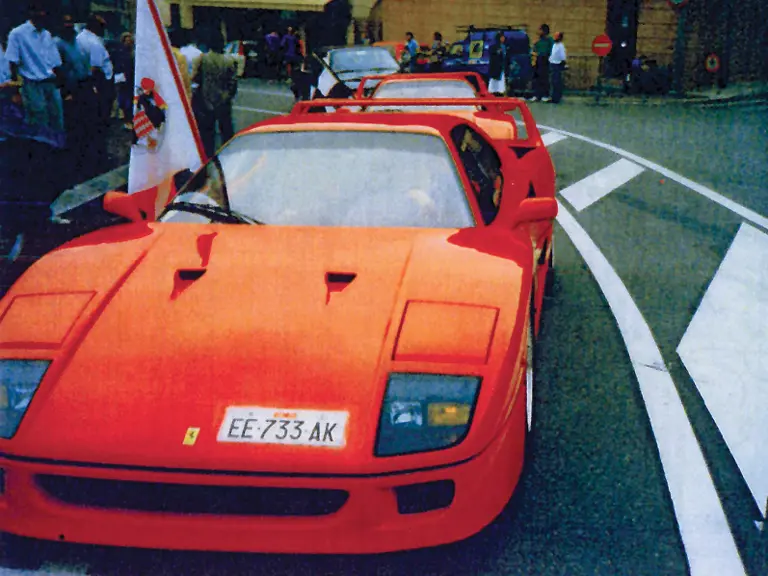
474,55
351,64
453,61
439,85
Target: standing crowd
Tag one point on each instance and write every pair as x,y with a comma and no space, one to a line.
57,88
62,91
548,55
284,55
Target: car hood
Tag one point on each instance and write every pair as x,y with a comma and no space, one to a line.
188,320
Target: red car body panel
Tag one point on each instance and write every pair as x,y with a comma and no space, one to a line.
161,327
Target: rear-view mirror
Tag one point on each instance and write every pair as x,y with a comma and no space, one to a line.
123,204
533,210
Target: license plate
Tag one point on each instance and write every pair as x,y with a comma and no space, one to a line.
258,425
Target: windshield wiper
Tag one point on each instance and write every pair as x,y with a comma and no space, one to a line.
213,212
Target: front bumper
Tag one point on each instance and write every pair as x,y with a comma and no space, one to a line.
367,521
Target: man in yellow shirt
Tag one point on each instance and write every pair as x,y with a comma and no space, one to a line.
177,41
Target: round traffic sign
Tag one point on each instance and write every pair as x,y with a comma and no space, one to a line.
712,63
602,45
677,3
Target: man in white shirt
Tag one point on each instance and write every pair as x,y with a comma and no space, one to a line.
34,57
91,42
5,70
5,81
557,65
193,55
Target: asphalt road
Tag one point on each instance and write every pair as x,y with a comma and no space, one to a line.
600,494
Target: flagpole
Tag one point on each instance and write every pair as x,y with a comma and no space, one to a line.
177,79
326,66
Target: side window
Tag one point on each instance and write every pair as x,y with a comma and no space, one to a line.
483,169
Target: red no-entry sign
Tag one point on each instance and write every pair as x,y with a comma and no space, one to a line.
712,63
602,45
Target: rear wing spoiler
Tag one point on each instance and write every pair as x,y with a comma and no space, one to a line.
472,77
497,108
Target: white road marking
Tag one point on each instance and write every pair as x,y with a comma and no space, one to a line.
259,110
707,538
601,183
725,350
267,92
726,203
551,137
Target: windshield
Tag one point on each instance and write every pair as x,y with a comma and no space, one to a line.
359,60
331,178
426,89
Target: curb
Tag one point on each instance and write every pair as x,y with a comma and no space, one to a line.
620,98
90,190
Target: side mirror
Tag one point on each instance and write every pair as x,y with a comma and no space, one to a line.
532,210
125,205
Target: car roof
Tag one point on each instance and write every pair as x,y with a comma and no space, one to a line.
427,122
355,48
481,89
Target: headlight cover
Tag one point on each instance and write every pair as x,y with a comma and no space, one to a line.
19,380
424,412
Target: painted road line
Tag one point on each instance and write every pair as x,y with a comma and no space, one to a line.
258,110
267,92
725,350
726,203
551,137
706,536
90,189
586,192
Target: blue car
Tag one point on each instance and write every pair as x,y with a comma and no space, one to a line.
472,54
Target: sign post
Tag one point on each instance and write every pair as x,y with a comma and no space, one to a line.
601,46
679,6
712,65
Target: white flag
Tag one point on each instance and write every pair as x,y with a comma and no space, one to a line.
166,139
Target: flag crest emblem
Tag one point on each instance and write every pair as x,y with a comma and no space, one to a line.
149,115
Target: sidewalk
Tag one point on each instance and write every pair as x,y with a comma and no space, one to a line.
704,96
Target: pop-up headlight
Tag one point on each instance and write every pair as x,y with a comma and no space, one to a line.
423,412
19,380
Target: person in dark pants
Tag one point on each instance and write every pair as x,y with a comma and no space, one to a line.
558,66
91,41
212,103
124,78
302,80
272,42
543,50
79,100
289,48
498,66
412,47
438,53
